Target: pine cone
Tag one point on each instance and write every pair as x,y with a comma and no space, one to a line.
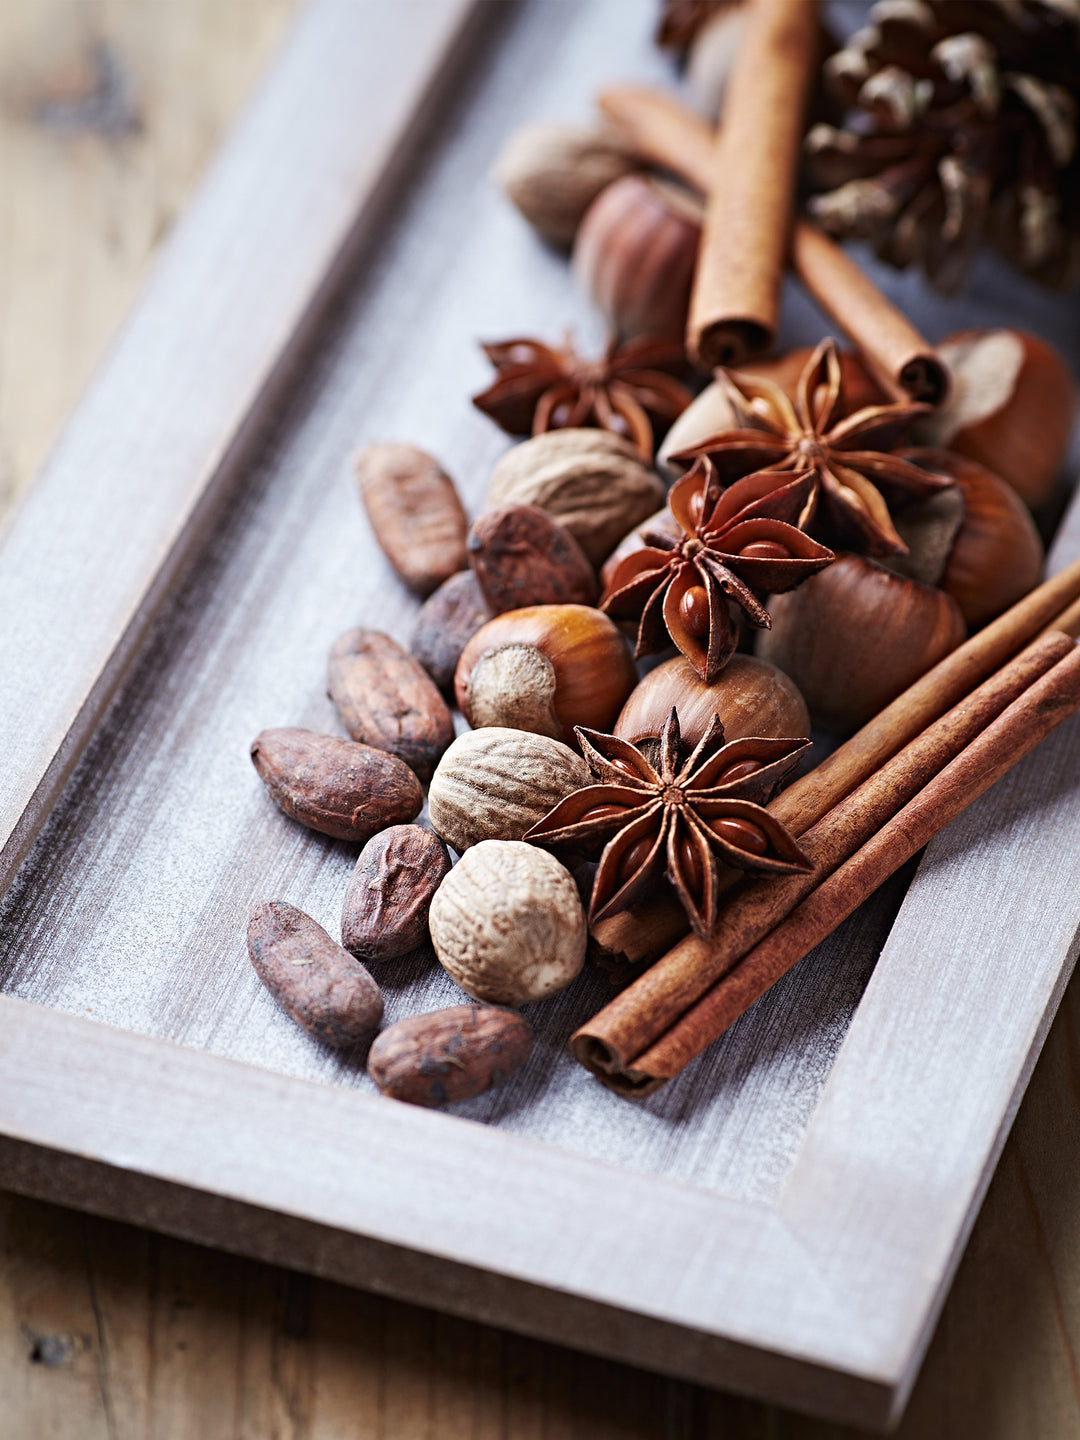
962,129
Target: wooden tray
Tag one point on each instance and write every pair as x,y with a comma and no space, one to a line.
785,1218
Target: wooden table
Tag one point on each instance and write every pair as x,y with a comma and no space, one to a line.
108,114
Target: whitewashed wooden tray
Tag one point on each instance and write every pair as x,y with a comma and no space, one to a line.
786,1217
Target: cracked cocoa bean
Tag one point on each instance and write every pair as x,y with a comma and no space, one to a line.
315,981
387,700
385,913
446,623
336,786
521,556
415,513
450,1054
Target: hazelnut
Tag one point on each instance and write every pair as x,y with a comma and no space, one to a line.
545,669
593,482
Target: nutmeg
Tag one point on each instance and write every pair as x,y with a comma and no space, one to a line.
552,173
635,255
508,925
1012,407
751,697
593,482
545,669
495,784
856,635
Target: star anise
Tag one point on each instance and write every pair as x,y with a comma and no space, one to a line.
632,390
855,476
734,541
686,818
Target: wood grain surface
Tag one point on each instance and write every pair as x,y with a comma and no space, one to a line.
112,1332
111,111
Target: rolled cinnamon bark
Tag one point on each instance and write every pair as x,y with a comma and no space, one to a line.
665,995
662,131
1013,735
639,937
902,361
750,199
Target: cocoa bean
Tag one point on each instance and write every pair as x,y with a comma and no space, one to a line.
447,622
333,785
316,982
387,700
522,556
385,913
450,1054
415,513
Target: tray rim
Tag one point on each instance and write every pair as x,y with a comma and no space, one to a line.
795,1302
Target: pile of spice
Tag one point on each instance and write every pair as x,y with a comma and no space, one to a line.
813,536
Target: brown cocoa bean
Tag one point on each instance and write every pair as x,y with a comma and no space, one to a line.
450,1054
521,556
446,623
336,786
316,982
385,913
415,513
387,700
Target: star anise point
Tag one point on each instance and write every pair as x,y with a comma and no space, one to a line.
687,816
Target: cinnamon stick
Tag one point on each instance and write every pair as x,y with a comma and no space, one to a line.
664,132
610,1043
902,361
750,198
641,936
1007,740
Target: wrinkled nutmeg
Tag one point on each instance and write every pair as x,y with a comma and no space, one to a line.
593,482
552,173
316,982
415,513
447,619
635,255
336,786
545,669
855,636
387,700
497,783
449,1055
385,914
522,556
751,697
508,925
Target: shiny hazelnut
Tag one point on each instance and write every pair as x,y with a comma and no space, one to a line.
996,555
1012,407
751,697
856,635
545,669
635,255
